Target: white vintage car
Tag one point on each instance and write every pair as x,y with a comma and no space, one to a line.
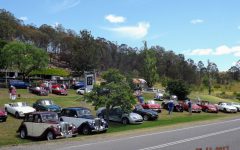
226,107
45,125
18,109
237,105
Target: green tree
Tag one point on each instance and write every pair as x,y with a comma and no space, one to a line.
114,92
178,88
149,66
25,57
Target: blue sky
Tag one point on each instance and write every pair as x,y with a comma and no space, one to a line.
199,29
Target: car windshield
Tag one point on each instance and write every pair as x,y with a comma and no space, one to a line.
151,102
83,112
49,117
20,104
47,102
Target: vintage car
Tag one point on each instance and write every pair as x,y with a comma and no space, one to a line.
177,106
147,114
153,105
234,104
116,114
195,107
18,109
208,107
3,115
226,107
46,105
38,91
57,89
85,122
45,125
80,91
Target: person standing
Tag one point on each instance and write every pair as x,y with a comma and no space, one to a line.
190,107
170,107
10,91
13,93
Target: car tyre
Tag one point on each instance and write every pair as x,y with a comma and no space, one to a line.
86,130
23,133
50,136
125,121
145,117
17,115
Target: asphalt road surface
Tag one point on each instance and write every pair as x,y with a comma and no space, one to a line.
222,135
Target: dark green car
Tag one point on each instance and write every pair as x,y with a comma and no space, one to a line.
46,105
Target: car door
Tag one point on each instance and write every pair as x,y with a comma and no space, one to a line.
71,117
28,123
37,126
116,115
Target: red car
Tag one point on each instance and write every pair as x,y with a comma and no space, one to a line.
208,107
151,104
59,90
3,115
195,107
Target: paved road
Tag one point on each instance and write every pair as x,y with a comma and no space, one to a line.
224,135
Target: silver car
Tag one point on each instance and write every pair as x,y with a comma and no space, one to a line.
118,115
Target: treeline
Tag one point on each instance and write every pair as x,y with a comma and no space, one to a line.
81,51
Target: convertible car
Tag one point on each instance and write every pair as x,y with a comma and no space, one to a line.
226,107
147,114
208,107
46,105
38,91
18,109
3,115
153,105
177,107
195,107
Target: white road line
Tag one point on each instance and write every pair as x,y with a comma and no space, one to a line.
157,133
189,139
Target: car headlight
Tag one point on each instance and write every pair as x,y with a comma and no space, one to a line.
92,123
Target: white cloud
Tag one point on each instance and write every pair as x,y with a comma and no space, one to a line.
219,51
63,5
136,32
222,50
115,19
196,21
23,18
201,52
56,24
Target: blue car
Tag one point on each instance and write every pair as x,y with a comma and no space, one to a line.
18,84
79,85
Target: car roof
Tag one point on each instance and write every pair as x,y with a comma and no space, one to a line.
76,108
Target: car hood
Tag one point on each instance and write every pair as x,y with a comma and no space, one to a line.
229,107
211,106
135,115
53,107
25,109
196,107
2,112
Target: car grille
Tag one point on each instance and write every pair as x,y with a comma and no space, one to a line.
64,128
98,122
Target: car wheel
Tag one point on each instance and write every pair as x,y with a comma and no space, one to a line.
23,133
225,110
85,130
50,136
17,115
145,117
125,121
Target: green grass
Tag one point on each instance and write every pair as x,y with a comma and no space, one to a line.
8,129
